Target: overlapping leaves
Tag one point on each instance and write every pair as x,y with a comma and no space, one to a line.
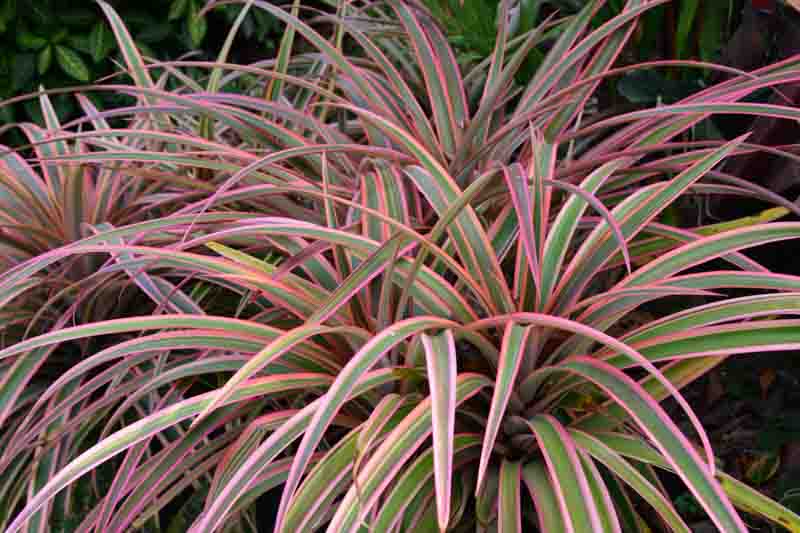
388,288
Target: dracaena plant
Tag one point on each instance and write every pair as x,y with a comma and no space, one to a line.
453,338
46,203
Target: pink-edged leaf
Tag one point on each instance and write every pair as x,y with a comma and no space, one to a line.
272,352
566,223
566,474
630,475
146,427
416,476
603,502
338,393
545,499
531,384
440,358
633,214
510,506
600,208
442,76
521,198
662,431
392,455
512,351
260,459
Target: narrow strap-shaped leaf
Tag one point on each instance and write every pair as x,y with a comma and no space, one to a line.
633,215
439,229
602,59
138,324
512,351
442,77
441,190
414,479
510,507
133,58
57,174
324,483
140,430
336,396
566,223
548,508
744,497
708,248
270,353
522,198
602,498
663,432
545,76
728,310
349,289
630,475
600,208
566,474
46,463
530,385
440,358
16,377
747,337
256,463
392,455
275,86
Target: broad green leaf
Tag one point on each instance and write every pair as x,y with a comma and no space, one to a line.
71,63
177,8
101,41
197,24
44,60
29,41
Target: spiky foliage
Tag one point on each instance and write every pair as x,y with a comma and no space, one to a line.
453,338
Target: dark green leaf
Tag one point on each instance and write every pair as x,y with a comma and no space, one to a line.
23,70
155,33
80,43
177,9
76,17
715,16
44,60
28,41
72,64
39,12
60,36
101,41
650,87
197,26
685,23
8,10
